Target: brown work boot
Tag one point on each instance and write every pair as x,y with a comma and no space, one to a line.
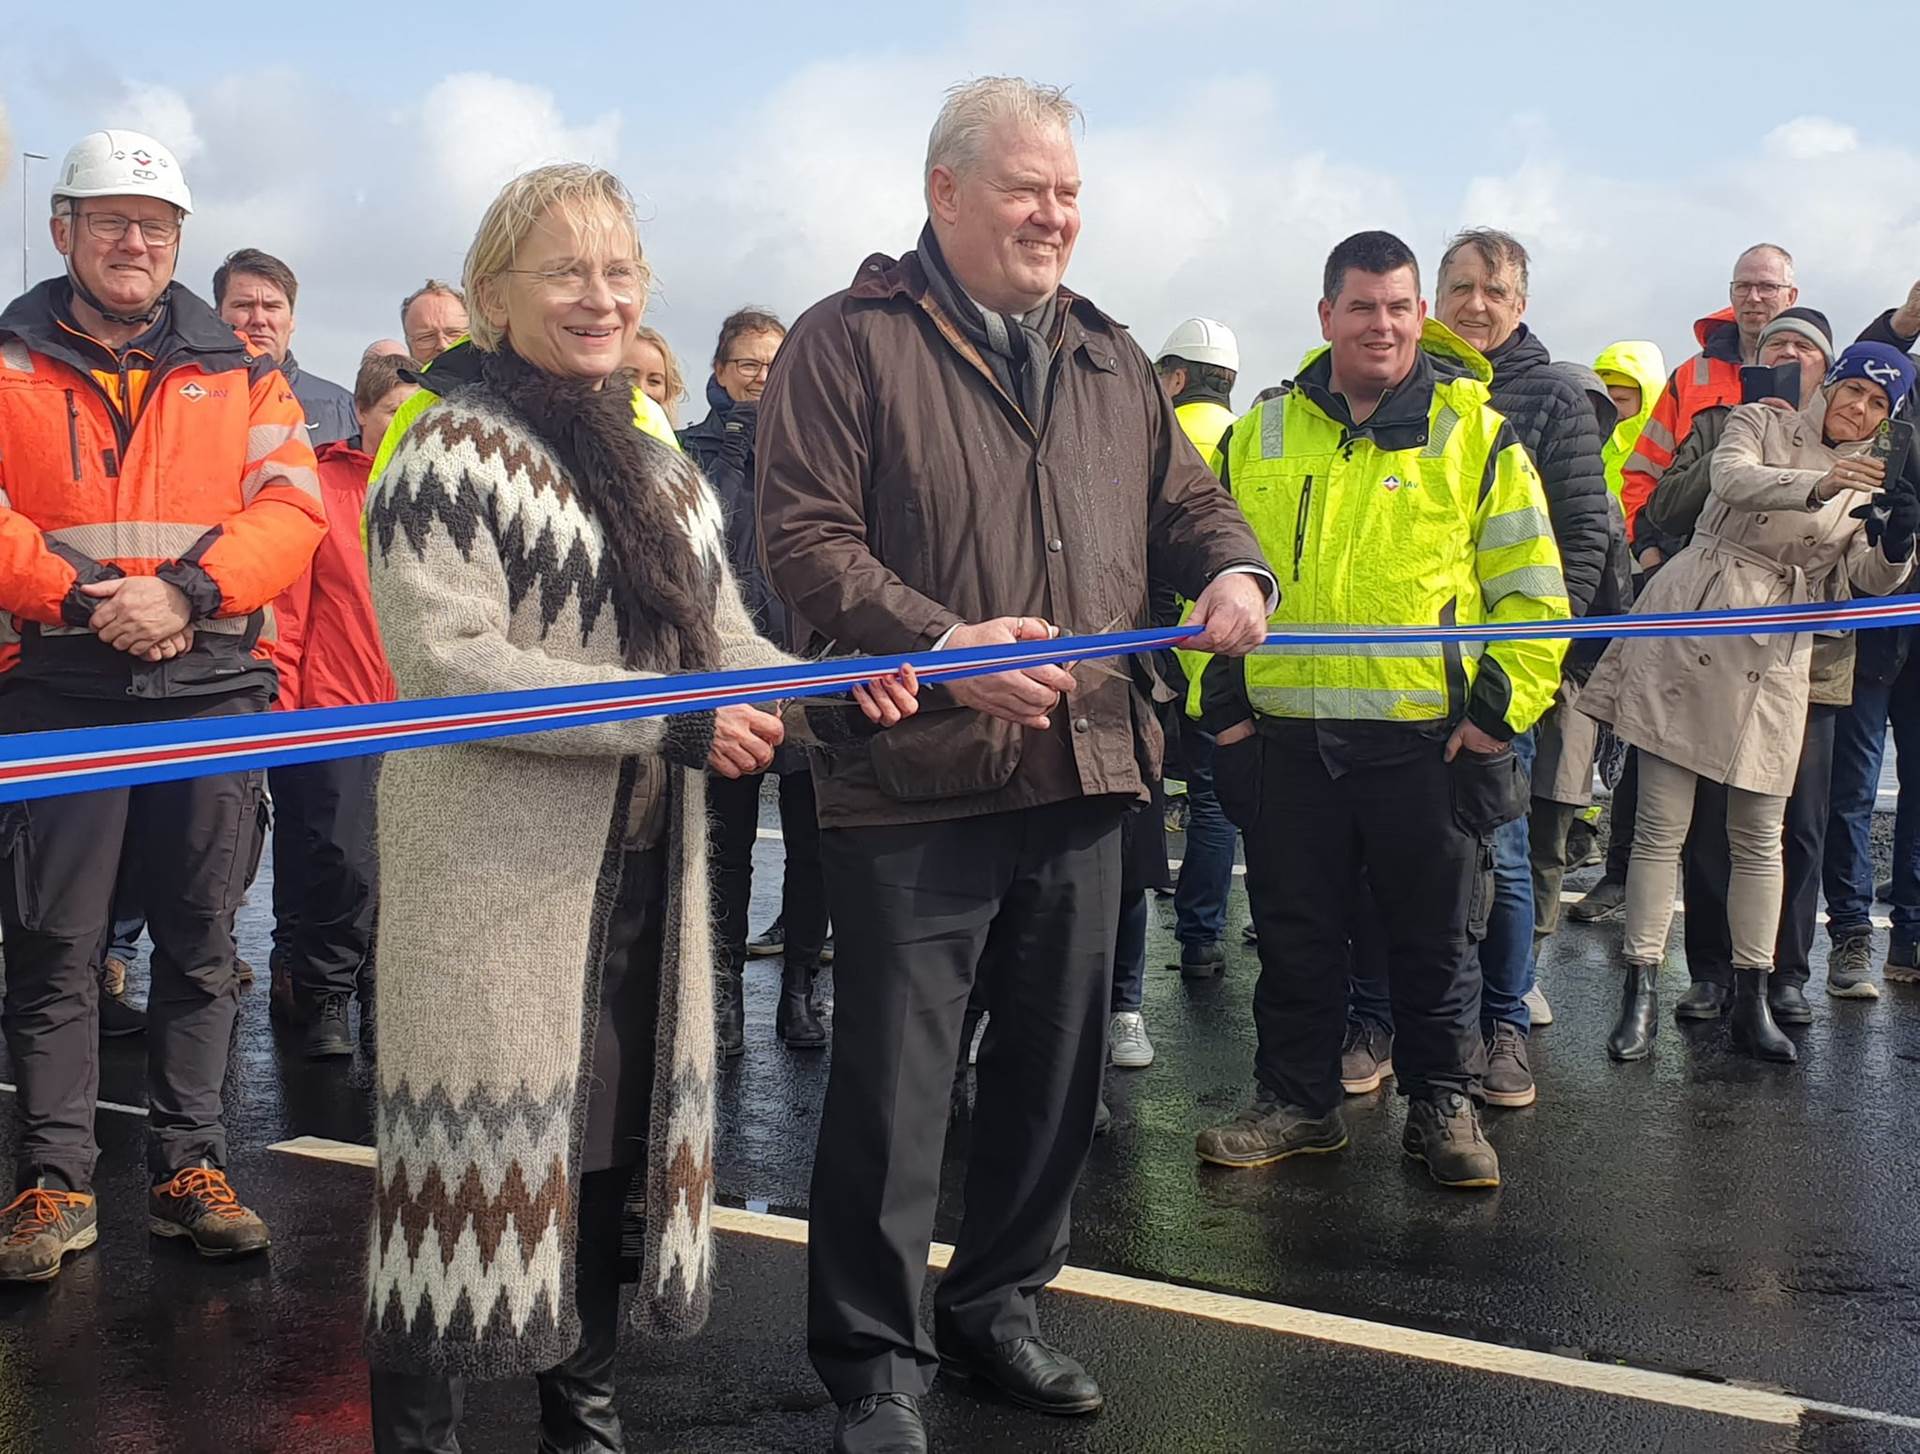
40,1227
199,1205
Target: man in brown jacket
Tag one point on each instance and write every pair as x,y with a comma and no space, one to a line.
956,451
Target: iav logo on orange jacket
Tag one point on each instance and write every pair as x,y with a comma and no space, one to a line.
191,390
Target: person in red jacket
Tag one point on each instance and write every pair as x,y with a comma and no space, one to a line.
156,492
1762,287
325,864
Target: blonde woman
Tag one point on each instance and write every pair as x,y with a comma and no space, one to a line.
657,371
526,534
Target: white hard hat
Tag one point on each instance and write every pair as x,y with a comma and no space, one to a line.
122,164
1203,341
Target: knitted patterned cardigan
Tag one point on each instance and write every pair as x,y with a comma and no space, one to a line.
488,575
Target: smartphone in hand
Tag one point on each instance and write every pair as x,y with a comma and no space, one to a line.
1893,447
1770,381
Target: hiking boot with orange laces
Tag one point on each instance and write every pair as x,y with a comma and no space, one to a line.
199,1204
40,1227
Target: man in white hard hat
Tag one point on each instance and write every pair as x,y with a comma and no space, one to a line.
157,491
1197,366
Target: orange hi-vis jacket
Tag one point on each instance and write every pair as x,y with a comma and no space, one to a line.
1708,380
182,456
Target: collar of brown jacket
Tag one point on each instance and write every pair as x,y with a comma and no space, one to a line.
1081,324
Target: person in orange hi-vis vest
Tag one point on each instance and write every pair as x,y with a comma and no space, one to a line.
157,491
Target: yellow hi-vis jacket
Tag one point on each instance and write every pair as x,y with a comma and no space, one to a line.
1429,513
1205,423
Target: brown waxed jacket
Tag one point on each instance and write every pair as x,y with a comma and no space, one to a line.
901,493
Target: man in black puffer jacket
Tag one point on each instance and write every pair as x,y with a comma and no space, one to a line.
1481,294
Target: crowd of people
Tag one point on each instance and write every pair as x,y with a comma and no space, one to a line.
956,450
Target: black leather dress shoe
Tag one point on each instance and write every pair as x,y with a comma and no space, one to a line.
1029,1372
1788,1003
1705,999
886,1423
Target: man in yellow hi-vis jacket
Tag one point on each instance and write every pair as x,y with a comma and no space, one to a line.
1385,491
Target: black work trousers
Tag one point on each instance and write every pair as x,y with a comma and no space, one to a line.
1033,895
326,871
735,806
1708,865
1309,836
192,842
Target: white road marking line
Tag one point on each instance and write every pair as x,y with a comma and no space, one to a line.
1728,1400
103,1105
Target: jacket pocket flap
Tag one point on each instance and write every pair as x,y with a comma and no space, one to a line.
945,755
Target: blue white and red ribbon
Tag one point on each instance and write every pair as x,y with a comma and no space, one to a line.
48,764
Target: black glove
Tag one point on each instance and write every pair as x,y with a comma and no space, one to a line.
1891,519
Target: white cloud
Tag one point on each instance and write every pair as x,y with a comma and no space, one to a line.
1217,197
477,130
161,112
1807,138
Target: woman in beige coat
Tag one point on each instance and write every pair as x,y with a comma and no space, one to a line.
1779,526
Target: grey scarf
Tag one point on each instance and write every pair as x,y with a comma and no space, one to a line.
1018,346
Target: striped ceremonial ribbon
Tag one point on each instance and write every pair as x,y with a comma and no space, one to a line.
48,764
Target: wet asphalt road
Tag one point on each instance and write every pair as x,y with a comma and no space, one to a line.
1698,1213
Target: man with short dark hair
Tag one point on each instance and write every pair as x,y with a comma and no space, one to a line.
433,318
255,292
1389,492
1481,294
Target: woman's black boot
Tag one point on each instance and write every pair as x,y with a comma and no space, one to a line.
730,1007
1632,1037
415,1413
1751,1027
796,1019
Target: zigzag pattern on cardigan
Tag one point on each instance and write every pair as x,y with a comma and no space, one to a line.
492,1237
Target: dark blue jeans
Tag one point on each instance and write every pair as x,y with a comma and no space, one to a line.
1859,749
1206,873
1506,954
1130,954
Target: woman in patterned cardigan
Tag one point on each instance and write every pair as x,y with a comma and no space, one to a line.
526,535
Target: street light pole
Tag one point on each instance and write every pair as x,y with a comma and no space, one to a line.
25,157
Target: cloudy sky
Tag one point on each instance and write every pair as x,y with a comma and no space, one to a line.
1634,149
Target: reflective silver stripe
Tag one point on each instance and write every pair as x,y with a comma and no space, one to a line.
1659,434
130,539
1514,528
298,475
1273,429
1702,372
9,633
1343,704
1542,582
1444,423
1401,650
15,355
216,626
6,503
264,439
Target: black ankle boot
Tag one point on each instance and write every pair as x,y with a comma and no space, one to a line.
796,1019
1752,1029
415,1413
577,1410
1632,1037
730,1010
